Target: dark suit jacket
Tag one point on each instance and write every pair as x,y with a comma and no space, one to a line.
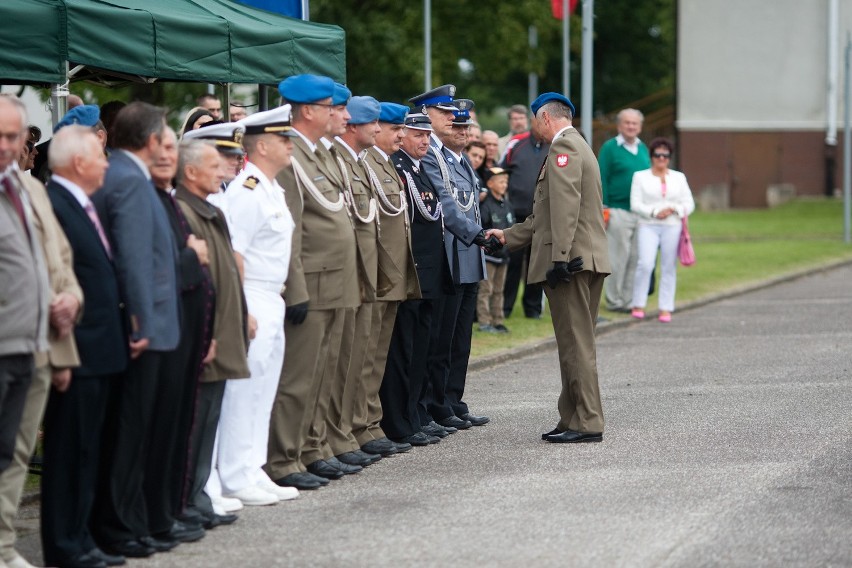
427,237
144,251
100,334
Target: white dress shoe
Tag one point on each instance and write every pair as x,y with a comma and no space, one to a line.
16,561
283,493
254,496
227,504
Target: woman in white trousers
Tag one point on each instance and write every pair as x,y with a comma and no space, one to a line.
661,198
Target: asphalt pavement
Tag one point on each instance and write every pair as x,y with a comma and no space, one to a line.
728,443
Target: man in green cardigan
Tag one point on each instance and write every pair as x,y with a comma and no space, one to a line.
619,158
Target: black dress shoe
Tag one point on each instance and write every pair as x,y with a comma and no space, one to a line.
85,560
454,422
158,544
182,532
433,429
475,420
227,518
300,480
130,549
551,433
324,469
373,458
416,439
344,467
570,436
109,559
401,448
352,459
382,447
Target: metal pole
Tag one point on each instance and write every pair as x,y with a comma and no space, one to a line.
306,10
532,79
566,50
587,106
59,98
847,148
427,47
832,64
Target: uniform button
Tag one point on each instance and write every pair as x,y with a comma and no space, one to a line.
121,305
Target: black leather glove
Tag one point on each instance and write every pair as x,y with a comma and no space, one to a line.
493,245
562,271
297,313
480,239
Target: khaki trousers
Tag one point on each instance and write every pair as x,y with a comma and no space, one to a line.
574,308
489,299
12,479
308,347
356,353
368,406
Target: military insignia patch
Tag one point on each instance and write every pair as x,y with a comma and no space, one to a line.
251,182
562,160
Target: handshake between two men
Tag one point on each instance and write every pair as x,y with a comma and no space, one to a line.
494,240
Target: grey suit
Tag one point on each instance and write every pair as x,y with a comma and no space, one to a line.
146,262
450,336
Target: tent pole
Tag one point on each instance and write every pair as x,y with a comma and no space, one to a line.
59,98
226,102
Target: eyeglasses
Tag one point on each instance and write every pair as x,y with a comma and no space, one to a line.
658,155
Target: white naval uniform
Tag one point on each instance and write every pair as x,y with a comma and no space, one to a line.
261,232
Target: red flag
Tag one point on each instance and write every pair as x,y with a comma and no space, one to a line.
556,6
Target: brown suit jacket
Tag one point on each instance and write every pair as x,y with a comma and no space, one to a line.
397,271
60,270
567,217
323,263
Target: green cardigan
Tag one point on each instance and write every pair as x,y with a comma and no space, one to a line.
617,168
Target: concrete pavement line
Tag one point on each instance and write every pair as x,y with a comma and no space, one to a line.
549,343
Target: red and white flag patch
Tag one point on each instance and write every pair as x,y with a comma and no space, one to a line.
562,160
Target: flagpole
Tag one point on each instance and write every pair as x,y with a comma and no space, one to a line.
427,35
566,50
587,106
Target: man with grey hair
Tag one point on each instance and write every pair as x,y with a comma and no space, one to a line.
24,318
569,252
200,175
74,416
620,158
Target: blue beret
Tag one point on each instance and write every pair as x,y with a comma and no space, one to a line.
393,113
304,89
545,98
363,110
84,115
341,94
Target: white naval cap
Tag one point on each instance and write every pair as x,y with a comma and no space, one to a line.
228,136
274,121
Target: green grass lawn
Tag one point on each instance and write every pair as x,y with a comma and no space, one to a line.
733,249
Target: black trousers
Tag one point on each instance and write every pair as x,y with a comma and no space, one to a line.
208,408
73,422
449,352
166,473
405,371
121,512
460,350
16,374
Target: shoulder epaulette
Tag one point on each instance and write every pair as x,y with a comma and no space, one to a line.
251,182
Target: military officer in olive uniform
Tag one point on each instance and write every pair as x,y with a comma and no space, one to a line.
397,278
568,190
321,287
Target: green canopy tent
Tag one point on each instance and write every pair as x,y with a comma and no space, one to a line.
53,42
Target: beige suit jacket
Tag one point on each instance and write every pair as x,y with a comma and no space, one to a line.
60,270
567,218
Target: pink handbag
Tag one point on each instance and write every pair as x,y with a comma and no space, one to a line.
685,252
